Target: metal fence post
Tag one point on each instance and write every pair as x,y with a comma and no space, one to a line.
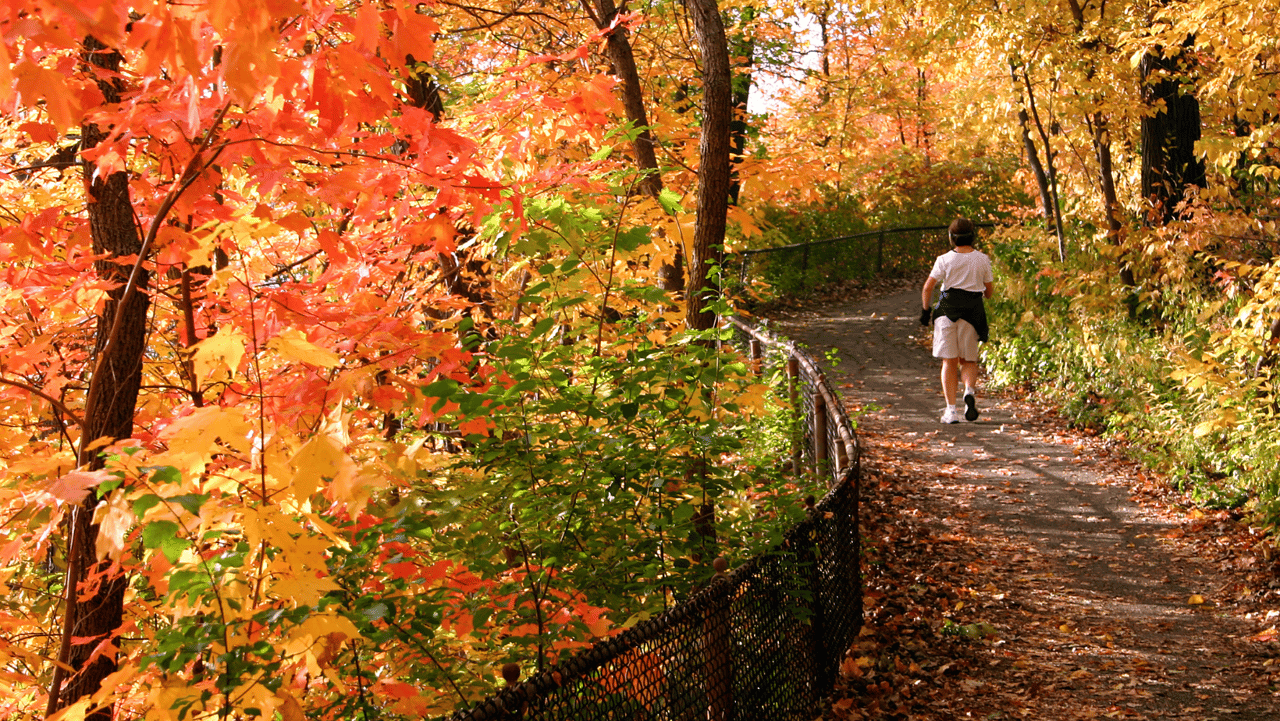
880,252
719,664
817,625
819,433
793,392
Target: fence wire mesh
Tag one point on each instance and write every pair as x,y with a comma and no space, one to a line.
893,252
762,641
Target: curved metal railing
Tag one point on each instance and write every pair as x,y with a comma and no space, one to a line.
877,251
763,641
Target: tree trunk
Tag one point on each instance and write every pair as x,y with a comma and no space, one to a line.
1106,178
1169,134
1047,180
1037,168
714,166
109,407
618,50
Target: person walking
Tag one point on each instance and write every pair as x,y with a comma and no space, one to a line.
959,317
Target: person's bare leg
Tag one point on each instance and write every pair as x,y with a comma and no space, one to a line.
969,373
950,375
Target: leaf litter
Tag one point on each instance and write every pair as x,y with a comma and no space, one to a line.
1015,569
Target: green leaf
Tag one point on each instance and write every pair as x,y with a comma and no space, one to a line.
670,201
166,474
144,504
164,535
375,611
189,501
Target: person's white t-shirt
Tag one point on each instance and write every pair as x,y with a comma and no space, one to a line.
966,271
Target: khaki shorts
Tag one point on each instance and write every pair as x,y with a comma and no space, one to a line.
954,340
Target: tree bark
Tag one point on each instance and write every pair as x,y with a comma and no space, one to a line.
1046,178
618,50
1037,168
109,407
621,56
714,167
1033,156
1170,130
1107,180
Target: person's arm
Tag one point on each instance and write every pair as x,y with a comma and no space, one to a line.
990,289
926,294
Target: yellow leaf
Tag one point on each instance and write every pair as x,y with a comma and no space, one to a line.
1204,429
313,635
1195,600
599,627
304,591
319,458
746,224
195,437
636,618
74,712
225,349
293,345
354,489
167,696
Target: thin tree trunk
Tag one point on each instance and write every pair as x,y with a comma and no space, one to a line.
621,56
618,50
1047,180
1102,149
714,167
1037,168
824,21
110,405
1033,157
1106,177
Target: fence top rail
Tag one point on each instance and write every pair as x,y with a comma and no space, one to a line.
844,427
866,234
690,610
509,700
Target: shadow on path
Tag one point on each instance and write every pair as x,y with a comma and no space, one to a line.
1068,592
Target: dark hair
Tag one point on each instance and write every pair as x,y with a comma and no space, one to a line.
961,232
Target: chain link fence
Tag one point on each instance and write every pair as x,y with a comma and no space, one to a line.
893,252
762,641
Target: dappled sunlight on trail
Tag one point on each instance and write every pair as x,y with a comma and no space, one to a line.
1015,569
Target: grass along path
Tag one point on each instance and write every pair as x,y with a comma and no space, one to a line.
1015,569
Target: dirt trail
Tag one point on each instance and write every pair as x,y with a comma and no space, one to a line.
1018,570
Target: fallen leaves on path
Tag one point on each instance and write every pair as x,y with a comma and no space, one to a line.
964,623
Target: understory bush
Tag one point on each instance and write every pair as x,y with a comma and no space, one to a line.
1177,367
914,194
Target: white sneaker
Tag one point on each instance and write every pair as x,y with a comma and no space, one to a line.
951,415
970,407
